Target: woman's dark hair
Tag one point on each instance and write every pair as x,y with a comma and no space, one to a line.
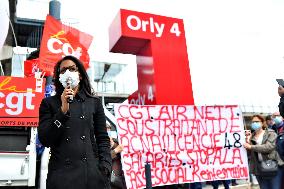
268,117
84,82
259,117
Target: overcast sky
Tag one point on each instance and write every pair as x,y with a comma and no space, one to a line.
235,47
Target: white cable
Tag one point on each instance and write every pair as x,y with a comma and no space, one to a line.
15,39
1,69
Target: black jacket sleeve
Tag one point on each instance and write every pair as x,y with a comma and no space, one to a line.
281,106
51,125
102,138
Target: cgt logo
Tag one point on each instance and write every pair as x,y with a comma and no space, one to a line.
13,100
58,44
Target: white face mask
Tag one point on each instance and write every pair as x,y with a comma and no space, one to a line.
72,77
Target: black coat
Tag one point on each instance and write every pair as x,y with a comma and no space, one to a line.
281,106
76,155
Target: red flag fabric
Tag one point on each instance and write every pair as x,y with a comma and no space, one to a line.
60,40
31,66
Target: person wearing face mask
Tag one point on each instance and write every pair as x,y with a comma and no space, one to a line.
262,140
269,122
72,123
278,122
117,175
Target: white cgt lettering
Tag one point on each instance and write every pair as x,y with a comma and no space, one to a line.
50,45
65,48
15,102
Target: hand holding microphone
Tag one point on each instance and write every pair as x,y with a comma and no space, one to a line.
67,95
69,84
66,98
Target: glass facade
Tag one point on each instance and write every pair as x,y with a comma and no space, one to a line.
111,78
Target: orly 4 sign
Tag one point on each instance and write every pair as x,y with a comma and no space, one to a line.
19,101
162,61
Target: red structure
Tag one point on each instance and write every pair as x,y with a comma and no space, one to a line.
162,61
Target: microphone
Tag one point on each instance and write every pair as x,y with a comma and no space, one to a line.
69,82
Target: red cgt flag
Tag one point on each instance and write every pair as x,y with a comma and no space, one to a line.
31,66
59,40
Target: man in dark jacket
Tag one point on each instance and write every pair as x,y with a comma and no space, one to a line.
281,103
72,123
281,111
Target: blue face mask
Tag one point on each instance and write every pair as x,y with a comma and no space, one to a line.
109,133
278,120
255,126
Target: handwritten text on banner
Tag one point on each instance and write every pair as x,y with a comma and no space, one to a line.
182,143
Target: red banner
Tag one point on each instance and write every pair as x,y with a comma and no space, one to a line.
20,100
59,40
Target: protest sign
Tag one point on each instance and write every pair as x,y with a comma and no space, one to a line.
182,143
20,100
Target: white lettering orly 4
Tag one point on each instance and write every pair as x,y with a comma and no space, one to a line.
135,23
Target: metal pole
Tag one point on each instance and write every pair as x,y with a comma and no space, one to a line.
148,175
54,10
